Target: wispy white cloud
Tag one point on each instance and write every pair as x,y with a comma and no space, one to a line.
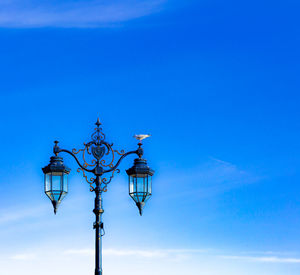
272,259
88,13
147,253
24,257
168,254
12,215
184,253
212,177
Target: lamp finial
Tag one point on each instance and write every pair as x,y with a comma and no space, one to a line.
140,206
98,123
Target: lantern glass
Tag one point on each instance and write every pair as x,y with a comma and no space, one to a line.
140,182
56,180
47,182
150,184
56,185
140,187
65,183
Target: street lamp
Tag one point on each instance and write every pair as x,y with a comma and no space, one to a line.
140,182
102,161
56,180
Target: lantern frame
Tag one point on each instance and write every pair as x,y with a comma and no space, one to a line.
141,168
56,168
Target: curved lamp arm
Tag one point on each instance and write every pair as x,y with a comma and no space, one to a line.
120,159
57,150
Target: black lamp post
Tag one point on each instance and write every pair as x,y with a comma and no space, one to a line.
140,178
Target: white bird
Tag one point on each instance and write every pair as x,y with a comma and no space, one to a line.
141,137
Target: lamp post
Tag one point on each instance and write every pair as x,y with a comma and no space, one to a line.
102,162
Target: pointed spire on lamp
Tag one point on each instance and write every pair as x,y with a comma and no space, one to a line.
140,206
98,123
55,206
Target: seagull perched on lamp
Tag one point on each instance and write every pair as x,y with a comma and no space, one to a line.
141,137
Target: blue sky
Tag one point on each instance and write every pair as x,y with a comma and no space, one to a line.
216,84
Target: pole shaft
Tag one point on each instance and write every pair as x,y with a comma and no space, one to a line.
98,226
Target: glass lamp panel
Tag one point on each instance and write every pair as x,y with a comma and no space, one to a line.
139,197
135,185
56,195
132,187
140,184
47,182
65,183
131,184
135,189
63,194
147,197
56,181
49,195
149,179
132,195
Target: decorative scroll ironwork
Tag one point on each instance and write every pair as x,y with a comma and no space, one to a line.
98,158
101,148
96,154
98,135
98,148
106,181
85,150
121,152
90,181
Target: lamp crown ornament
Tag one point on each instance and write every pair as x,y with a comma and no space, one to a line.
98,123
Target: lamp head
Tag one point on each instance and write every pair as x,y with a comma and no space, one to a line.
140,182
56,180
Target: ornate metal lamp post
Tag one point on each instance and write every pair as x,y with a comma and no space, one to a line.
140,175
